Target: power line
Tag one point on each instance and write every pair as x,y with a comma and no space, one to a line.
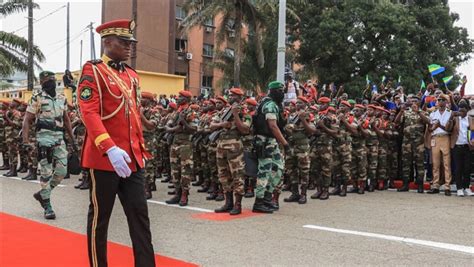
85,29
43,17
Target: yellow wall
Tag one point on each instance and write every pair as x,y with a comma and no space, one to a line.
160,83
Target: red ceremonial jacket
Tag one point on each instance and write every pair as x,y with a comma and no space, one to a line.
109,106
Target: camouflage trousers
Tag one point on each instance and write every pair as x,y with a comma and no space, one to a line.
165,158
359,163
231,165
203,149
342,161
52,173
297,164
212,160
321,159
197,161
392,159
372,161
181,159
382,161
13,148
412,158
149,164
33,158
270,166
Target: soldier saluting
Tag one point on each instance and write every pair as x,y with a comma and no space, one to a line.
114,148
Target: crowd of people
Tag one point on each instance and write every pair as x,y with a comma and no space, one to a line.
368,142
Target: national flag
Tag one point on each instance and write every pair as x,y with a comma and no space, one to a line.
399,79
367,79
447,80
435,69
384,79
423,85
374,88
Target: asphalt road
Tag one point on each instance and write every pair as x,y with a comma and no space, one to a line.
380,221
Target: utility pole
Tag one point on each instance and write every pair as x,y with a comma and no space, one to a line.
134,45
30,73
80,57
91,29
281,42
68,51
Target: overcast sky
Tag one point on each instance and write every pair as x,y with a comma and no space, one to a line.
50,32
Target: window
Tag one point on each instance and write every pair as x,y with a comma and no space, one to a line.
229,52
180,45
207,81
179,12
208,50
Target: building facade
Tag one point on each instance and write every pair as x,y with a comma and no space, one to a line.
162,48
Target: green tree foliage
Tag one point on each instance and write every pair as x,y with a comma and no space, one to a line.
13,48
343,41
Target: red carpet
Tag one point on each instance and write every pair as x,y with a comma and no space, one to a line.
224,216
25,243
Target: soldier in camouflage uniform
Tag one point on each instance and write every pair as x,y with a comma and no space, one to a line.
79,130
52,119
298,128
170,113
204,130
323,150
268,133
197,161
342,150
247,141
415,121
14,121
21,149
372,145
3,141
215,190
382,133
392,153
182,126
148,120
230,152
359,151
32,156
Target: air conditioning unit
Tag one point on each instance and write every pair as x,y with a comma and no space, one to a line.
208,29
232,34
189,56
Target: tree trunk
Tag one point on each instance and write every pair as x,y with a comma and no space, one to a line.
238,45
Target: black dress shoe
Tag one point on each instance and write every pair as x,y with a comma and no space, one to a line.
433,191
447,192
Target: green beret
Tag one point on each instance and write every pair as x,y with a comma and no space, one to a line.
275,85
351,101
46,74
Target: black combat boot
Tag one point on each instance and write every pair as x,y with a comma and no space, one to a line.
318,193
184,198
336,190
86,182
372,185
32,176
38,197
12,172
275,200
220,193
228,205
82,179
260,207
175,199
205,187
268,201
343,192
361,187
212,192
325,194
295,195
419,182
250,189
48,210
6,163
355,187
303,199
237,205
167,179
28,175
405,186
23,167
200,180
153,184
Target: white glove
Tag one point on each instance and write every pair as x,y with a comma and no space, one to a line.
119,158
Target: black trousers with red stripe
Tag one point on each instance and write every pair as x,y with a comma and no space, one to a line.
105,185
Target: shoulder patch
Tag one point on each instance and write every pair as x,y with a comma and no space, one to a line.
95,61
86,94
86,78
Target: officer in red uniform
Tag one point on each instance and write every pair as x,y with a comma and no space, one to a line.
114,149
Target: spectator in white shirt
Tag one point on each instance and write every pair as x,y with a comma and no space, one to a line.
460,149
440,146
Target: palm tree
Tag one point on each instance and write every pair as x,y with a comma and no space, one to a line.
13,48
234,14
